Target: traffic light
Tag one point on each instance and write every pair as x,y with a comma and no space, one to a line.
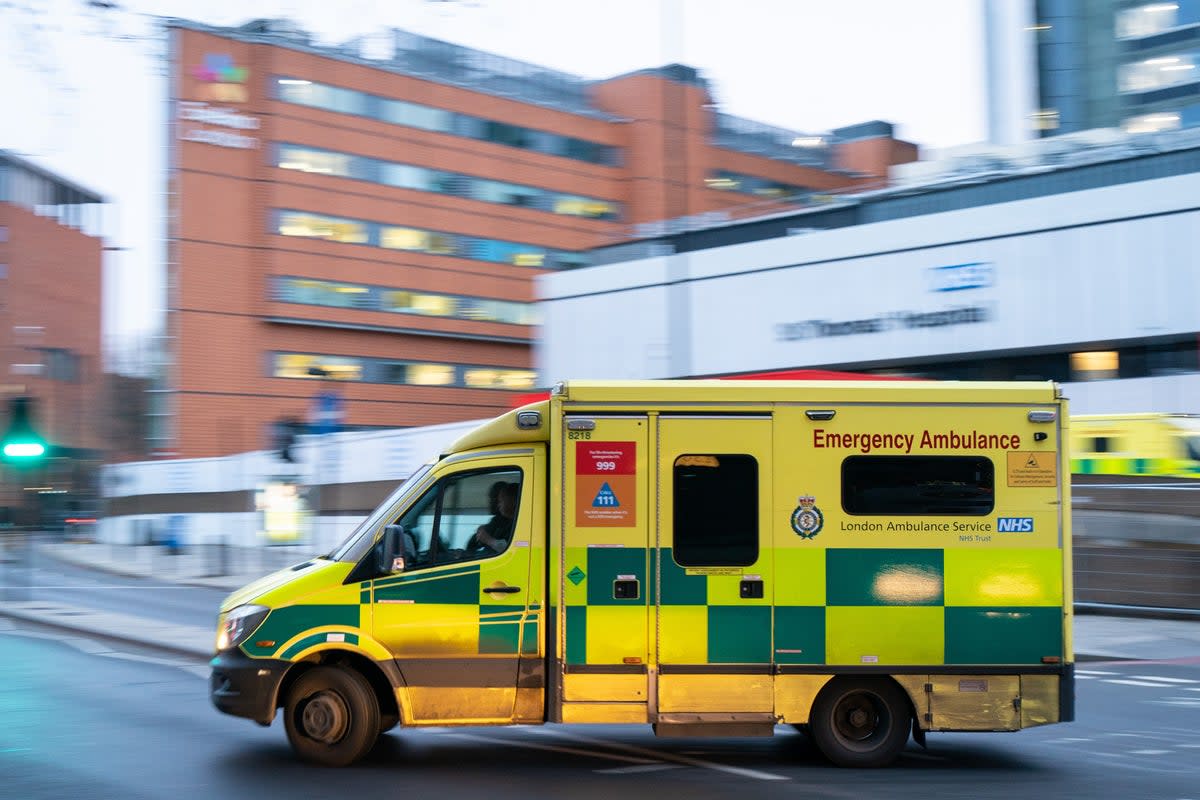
22,444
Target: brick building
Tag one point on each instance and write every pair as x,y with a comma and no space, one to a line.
50,279
365,222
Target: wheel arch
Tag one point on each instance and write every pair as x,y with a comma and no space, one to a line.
381,684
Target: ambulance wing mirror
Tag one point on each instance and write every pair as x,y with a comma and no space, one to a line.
395,550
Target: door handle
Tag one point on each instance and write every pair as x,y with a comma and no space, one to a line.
501,589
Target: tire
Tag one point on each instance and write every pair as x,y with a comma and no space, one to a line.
331,716
860,722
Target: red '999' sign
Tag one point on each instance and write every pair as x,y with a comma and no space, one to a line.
605,458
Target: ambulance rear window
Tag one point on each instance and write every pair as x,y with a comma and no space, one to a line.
918,485
716,510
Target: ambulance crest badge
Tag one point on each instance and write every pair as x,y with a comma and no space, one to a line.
807,519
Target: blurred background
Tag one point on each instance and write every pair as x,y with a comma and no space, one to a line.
260,260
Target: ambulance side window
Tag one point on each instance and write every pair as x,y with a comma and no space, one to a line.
918,485
463,517
716,510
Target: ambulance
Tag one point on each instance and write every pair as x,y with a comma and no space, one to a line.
1160,444
868,562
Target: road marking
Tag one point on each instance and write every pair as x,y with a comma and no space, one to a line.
1168,680
1181,702
1148,752
1139,683
679,759
637,768
502,740
1091,672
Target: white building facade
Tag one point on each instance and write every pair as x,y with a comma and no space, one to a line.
1097,287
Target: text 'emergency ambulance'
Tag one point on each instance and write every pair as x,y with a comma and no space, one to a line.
928,440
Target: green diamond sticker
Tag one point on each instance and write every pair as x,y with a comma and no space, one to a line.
576,576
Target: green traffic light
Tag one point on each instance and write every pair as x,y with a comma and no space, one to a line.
24,450
22,444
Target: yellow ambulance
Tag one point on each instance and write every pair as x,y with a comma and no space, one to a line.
863,560
1152,443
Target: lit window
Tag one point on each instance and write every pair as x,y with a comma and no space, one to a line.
404,239
430,375
1147,19
1096,365
1044,120
319,227
304,365
316,161
491,378
529,259
1152,123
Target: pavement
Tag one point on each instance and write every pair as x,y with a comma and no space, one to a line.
1097,637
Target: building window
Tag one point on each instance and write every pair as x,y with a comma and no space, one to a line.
317,367
761,187
394,237
431,375
918,485
311,291
323,293
409,373
495,378
1152,123
1097,365
1150,18
399,112
1046,119
318,226
321,162
716,510
408,176
1160,71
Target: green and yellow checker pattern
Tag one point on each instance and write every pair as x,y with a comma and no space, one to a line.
837,606
600,628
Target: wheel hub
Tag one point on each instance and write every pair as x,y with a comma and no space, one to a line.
325,717
857,718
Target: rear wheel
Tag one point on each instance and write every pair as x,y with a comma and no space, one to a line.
860,722
331,716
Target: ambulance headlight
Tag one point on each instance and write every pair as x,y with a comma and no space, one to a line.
239,624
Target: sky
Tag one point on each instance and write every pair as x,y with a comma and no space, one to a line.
82,85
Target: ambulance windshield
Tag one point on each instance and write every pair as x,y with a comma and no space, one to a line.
359,542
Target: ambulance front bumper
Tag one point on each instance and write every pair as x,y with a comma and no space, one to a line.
246,687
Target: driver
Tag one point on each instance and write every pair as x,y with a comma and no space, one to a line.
496,533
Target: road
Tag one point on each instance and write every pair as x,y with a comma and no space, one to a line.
85,719
33,575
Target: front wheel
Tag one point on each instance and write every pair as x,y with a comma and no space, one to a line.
860,722
331,716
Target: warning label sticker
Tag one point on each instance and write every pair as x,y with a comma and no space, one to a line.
605,484
1032,469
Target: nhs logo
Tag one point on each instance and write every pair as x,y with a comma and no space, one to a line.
1014,524
957,277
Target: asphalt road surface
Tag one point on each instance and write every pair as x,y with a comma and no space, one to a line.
34,575
85,719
